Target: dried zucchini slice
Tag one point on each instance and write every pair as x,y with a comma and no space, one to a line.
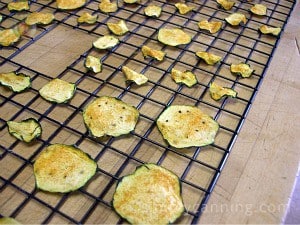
93,63
235,19
217,92
209,58
106,42
259,9
16,82
110,116
27,130
70,4
9,36
8,220
87,18
107,6
131,75
131,1
63,168
186,77
152,11
119,28
39,18
173,37
264,29
184,8
58,91
225,4
156,54
186,126
150,195
212,27
241,69
18,6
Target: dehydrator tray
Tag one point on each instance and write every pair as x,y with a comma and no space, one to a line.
60,49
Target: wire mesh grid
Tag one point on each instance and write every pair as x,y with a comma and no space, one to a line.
60,49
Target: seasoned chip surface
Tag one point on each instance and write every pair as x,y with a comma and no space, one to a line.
185,126
151,195
110,116
173,36
17,82
70,4
39,18
63,168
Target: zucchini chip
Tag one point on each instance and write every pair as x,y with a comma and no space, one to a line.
58,91
264,29
209,58
259,9
9,220
186,77
152,11
106,42
70,4
26,130
186,126
110,116
156,54
107,6
131,75
87,18
217,92
119,28
17,82
173,37
9,36
236,19
212,27
131,1
93,63
18,6
39,18
225,4
241,69
150,195
63,168
184,8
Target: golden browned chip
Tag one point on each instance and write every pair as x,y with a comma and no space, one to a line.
236,19
70,4
217,92
131,75
58,91
156,54
18,6
87,18
209,58
242,69
225,4
173,37
119,28
110,116
150,195
152,11
184,8
93,63
212,27
9,36
63,168
185,126
39,18
259,9
264,29
107,6
186,77
17,82
105,42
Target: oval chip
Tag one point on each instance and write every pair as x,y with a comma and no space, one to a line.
186,126
17,82
173,37
39,18
105,42
70,4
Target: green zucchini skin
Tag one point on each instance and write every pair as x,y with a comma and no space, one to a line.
17,82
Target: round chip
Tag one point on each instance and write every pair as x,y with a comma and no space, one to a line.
106,42
173,37
110,116
152,11
186,126
259,9
150,195
70,4
17,82
63,168
9,36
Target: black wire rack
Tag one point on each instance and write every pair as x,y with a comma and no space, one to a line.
197,168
